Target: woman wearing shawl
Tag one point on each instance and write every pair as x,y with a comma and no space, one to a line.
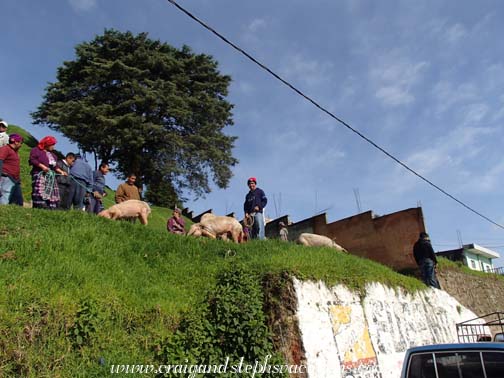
45,193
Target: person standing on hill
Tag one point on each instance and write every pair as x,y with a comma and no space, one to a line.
4,138
283,233
82,182
255,201
128,190
65,182
96,197
45,191
426,260
10,169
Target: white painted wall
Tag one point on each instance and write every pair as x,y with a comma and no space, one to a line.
345,336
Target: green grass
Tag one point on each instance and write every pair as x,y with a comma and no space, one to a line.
157,219
446,264
140,280
24,153
122,287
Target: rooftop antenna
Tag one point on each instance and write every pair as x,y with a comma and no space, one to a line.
459,237
324,210
280,202
275,204
357,200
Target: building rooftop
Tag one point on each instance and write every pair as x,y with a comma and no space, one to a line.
475,249
482,251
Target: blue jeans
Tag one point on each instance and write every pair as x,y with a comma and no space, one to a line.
6,186
94,206
258,227
77,193
428,273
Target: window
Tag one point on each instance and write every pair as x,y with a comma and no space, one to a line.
494,364
473,264
421,366
459,365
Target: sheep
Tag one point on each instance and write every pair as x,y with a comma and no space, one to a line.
128,209
315,240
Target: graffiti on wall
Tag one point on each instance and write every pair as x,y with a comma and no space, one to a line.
355,350
368,336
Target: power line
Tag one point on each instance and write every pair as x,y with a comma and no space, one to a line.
309,99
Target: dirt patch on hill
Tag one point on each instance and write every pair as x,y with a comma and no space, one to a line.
280,307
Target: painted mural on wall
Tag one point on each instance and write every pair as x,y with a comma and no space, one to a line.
351,334
345,336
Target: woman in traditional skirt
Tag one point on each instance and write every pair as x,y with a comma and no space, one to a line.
45,193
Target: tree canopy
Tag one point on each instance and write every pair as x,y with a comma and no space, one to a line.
150,108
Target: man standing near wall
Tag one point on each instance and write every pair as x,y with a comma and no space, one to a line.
426,260
255,201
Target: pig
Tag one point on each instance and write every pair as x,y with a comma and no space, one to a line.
213,226
128,209
195,230
315,240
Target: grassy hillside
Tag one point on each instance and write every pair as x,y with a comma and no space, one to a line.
79,293
24,153
122,287
158,217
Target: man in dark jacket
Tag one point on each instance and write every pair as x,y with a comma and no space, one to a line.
255,201
95,204
65,182
82,175
426,260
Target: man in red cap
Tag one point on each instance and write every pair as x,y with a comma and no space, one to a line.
255,202
10,180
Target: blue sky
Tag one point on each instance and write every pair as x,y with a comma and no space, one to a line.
425,80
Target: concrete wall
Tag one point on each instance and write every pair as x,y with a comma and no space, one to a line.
348,335
483,295
387,239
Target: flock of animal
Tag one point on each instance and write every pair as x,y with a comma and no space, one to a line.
210,226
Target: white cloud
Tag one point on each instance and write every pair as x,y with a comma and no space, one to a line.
447,156
256,24
394,95
82,5
455,33
446,95
499,114
251,34
394,78
301,69
452,149
474,114
490,179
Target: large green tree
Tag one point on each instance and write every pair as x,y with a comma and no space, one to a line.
148,107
